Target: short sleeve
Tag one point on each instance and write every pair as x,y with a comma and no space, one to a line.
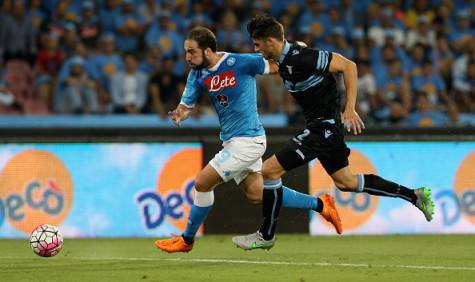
322,62
192,91
255,64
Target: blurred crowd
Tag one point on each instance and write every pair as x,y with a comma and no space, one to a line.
416,58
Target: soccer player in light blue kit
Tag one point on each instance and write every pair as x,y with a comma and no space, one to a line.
229,80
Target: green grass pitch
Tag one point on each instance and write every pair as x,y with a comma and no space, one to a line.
214,258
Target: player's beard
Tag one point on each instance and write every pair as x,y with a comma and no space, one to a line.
203,64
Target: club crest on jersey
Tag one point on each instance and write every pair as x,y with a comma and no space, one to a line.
223,100
230,61
221,81
289,68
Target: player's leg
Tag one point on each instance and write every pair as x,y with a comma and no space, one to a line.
293,156
205,182
336,165
252,186
274,167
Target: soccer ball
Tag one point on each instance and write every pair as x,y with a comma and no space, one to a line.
46,240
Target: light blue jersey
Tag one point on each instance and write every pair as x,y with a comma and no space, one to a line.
231,86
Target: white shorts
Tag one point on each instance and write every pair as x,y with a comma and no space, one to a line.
239,157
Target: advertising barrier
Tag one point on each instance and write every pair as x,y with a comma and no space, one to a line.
145,189
90,190
448,168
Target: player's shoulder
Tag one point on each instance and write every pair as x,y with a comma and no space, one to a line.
245,56
194,75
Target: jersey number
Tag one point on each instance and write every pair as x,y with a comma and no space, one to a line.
299,138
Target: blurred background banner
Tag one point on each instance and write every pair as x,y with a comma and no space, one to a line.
145,189
97,190
448,168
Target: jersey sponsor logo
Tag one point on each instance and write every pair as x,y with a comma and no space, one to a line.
35,187
221,81
223,100
355,209
289,68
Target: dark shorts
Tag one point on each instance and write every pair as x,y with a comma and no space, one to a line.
323,140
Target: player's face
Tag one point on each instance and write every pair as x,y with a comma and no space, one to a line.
194,56
264,47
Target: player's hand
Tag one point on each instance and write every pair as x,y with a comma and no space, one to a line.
353,121
175,116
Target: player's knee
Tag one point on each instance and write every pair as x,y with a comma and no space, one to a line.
254,198
269,173
253,194
200,185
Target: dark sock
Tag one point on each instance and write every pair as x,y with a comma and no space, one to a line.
271,204
319,207
378,186
188,240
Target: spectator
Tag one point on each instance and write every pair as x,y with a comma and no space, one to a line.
76,93
129,26
149,11
423,34
89,26
36,14
70,39
108,14
366,87
425,114
431,84
180,18
462,34
17,35
465,89
152,62
61,16
314,21
387,28
129,88
336,42
421,8
50,57
165,89
229,33
272,97
162,34
419,54
443,59
107,62
392,101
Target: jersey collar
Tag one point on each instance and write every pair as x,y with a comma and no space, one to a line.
284,52
216,66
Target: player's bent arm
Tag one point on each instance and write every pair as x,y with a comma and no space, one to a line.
350,76
181,112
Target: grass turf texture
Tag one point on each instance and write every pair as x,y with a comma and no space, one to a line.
215,258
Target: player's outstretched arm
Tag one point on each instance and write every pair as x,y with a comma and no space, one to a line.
180,113
350,76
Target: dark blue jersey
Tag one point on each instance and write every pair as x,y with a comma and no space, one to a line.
306,76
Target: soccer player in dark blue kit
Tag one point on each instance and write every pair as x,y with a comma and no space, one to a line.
308,76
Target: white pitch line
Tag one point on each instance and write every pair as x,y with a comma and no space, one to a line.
232,261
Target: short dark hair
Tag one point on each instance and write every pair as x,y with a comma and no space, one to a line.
204,37
263,26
